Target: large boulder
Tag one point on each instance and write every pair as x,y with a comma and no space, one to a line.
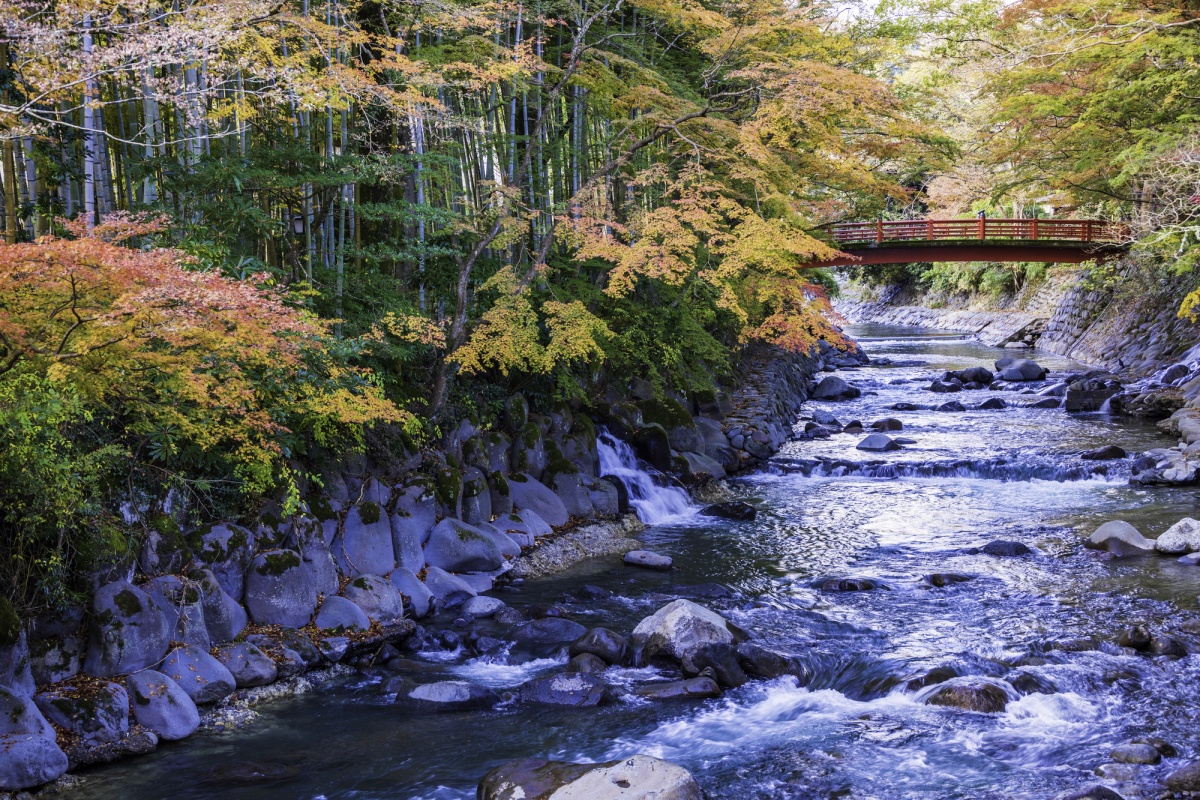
445,696
832,387
308,539
970,695
476,497
364,544
1121,539
413,590
648,559
509,547
248,665
224,617
29,755
457,547
96,715
16,673
128,631
227,550
612,647
549,630
878,443
1182,537
449,590
701,468
53,659
981,375
1021,370
734,509
202,677
339,614
638,777
689,689
528,493
523,527
279,590
574,495
182,605
567,689
678,630
413,519
161,705
653,445
376,596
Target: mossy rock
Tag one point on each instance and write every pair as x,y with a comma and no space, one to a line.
128,603
582,427
516,412
530,434
668,412
448,485
320,508
10,623
369,513
277,563
499,483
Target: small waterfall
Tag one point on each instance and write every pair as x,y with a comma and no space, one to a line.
1106,406
652,497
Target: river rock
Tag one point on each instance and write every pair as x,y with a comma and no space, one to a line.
887,424
449,590
446,696
759,662
96,714
970,695
1182,537
612,647
878,443
850,585
992,404
1049,402
952,407
29,755
227,550
1021,370
411,524
1136,754
376,596
308,539
1005,549
128,631
831,387
689,689
677,630
279,590
548,630
224,617
981,375
1185,779
162,705
943,579
945,387
637,778
718,660
457,547
575,689
339,614
1119,538
481,607
248,665
523,527
1096,792
1109,453
735,509
364,544
413,590
648,560
202,677
528,493
586,663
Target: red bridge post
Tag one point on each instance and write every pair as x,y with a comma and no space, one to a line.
879,231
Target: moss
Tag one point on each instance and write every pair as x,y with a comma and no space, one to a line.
10,624
705,398
369,513
277,563
128,603
500,484
518,478
556,463
468,535
669,413
583,427
448,486
361,583
320,507
530,434
140,698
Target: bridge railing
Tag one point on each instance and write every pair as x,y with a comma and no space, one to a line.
960,230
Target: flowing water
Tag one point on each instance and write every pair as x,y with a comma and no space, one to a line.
855,730
655,500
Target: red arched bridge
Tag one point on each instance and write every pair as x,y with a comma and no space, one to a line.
914,241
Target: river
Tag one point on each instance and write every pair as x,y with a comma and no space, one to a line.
856,731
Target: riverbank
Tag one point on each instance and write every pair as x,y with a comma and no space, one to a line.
206,621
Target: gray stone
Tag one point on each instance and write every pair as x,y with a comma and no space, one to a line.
832,387
1090,793
1120,538
483,607
248,665
412,589
639,777
364,544
228,550
548,631
1185,779
338,613
1136,754
224,617
375,595
279,590
574,496
96,716
457,547
970,695
647,560
576,689
15,667
308,538
54,659
612,647
334,648
509,547
20,715
1022,370
476,497
182,606
449,590
701,467
164,551
446,696
587,663
1182,537
128,631
29,755
409,534
161,705
878,443
528,493
606,499
677,630
202,677
523,526
690,689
